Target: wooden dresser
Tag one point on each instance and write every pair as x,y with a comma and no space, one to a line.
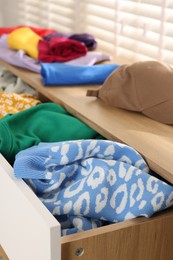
29,232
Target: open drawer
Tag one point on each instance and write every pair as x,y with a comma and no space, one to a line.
27,229
29,232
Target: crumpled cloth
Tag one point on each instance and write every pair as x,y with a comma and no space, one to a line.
60,49
18,58
11,83
24,39
85,38
12,103
90,183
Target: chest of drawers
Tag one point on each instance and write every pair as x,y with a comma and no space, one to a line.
28,231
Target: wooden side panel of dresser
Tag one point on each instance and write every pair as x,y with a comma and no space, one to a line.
150,239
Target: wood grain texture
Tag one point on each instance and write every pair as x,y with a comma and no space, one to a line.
3,255
131,240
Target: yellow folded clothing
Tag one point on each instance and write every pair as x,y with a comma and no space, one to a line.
11,103
24,39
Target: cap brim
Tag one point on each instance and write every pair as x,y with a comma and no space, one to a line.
162,112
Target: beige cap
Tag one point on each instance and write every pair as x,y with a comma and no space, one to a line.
145,87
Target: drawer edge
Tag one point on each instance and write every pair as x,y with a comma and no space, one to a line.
27,228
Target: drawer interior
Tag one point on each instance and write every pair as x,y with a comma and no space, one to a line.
25,220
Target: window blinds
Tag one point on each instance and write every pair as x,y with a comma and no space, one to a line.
54,14
133,30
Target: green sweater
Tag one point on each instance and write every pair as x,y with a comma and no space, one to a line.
46,122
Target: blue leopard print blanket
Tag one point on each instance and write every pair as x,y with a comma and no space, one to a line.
90,183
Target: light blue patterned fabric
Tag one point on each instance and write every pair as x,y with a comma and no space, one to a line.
90,183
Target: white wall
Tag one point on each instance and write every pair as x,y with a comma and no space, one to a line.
1,18
8,15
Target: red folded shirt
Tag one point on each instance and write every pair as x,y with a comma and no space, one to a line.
60,49
40,31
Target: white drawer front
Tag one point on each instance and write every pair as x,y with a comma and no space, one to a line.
28,231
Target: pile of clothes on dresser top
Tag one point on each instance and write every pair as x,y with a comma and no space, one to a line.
61,59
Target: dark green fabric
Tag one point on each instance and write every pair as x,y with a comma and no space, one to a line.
46,122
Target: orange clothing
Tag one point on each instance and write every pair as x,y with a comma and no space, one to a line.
11,103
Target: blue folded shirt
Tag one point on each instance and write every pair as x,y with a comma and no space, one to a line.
62,74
